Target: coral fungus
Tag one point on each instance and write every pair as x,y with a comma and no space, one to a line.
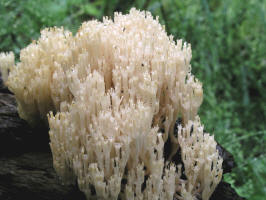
116,89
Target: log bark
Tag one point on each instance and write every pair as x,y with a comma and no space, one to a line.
26,170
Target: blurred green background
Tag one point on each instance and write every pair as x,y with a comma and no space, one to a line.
228,41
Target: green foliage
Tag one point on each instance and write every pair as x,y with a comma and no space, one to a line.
228,40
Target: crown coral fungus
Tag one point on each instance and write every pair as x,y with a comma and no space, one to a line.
118,87
7,61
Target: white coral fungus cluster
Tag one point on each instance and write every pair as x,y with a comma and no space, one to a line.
118,87
7,62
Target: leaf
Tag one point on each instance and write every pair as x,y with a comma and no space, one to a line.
92,10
